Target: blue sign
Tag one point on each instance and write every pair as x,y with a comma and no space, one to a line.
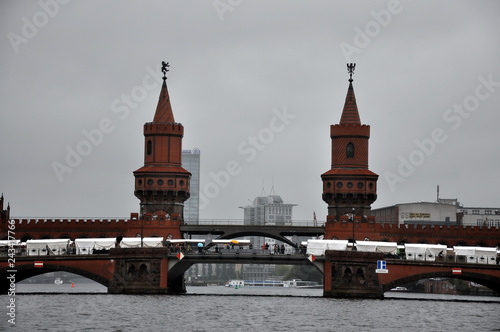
381,267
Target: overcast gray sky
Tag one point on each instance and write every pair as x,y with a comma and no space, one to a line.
256,85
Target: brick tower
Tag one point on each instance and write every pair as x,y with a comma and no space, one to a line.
162,185
349,187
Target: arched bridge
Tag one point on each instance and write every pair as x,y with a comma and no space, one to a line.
349,274
134,270
160,271
271,231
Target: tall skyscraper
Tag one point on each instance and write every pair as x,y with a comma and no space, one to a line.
191,162
265,210
268,210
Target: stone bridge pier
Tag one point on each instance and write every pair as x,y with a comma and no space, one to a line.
143,271
351,274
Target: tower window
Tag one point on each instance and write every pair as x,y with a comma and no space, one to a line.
149,147
350,150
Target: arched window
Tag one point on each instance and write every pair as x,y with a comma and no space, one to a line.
350,150
149,147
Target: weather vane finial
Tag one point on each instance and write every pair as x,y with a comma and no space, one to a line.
350,70
164,66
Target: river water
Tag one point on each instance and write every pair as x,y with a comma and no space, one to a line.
86,307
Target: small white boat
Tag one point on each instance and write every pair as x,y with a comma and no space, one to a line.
298,283
254,283
399,289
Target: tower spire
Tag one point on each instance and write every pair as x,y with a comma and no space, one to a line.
350,114
164,113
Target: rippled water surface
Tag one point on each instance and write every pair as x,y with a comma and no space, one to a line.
245,309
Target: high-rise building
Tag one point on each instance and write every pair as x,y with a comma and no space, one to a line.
265,210
268,210
191,162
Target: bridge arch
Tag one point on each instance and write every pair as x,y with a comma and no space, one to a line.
178,268
24,272
444,242
483,279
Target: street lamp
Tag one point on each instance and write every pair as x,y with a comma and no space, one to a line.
353,240
142,232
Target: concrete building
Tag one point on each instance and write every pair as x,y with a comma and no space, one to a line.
442,212
191,162
268,210
480,216
265,210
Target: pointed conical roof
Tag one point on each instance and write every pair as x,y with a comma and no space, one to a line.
350,113
164,109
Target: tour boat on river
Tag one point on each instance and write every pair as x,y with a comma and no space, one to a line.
294,283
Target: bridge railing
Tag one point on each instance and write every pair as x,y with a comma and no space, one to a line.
236,222
240,222
191,250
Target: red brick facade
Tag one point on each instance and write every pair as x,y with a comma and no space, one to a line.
449,235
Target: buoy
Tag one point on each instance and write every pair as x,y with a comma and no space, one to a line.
72,284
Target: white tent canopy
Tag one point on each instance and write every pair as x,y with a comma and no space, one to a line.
424,252
481,255
85,246
376,246
147,242
47,246
14,242
318,247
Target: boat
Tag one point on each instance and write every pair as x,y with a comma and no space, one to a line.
399,289
294,283
58,281
254,283
299,283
